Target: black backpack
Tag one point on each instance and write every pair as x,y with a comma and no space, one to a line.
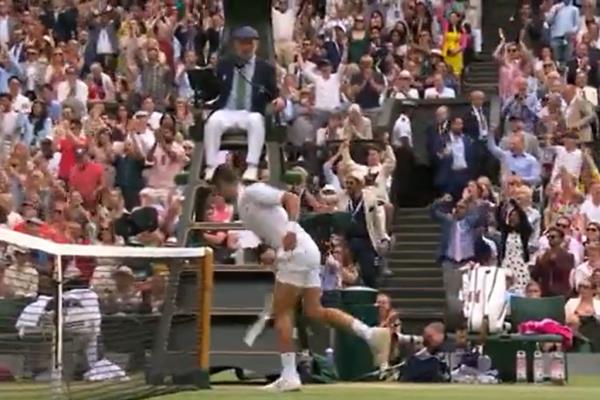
425,369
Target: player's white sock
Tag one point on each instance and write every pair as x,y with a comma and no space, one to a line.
361,330
288,362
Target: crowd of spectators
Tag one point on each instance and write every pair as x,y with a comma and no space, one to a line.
542,220
96,113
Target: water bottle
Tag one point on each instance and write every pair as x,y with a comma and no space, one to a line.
521,367
557,368
538,367
330,357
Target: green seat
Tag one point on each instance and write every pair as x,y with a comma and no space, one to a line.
10,309
523,309
502,349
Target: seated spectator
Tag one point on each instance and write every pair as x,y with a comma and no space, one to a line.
583,306
571,242
157,288
552,269
339,270
584,271
439,89
590,209
402,89
126,298
592,234
20,278
357,126
533,290
332,131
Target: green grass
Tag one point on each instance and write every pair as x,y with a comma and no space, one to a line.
580,388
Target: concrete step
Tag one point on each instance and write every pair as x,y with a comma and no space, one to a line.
426,254
413,282
414,303
421,293
411,211
416,272
414,245
416,218
418,227
428,236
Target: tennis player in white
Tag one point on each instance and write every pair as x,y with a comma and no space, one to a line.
272,214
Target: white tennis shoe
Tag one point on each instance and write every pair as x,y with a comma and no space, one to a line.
283,385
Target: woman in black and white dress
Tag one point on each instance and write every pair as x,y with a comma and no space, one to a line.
516,230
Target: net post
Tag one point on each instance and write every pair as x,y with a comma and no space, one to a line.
58,337
204,288
205,278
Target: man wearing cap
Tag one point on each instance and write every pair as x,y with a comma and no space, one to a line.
366,235
402,89
248,85
125,297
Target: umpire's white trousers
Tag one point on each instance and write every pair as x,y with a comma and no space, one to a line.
222,120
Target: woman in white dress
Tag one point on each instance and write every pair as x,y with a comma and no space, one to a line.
516,230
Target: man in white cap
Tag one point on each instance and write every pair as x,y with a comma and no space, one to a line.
402,89
272,214
366,235
248,85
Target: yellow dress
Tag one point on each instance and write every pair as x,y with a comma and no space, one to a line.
452,42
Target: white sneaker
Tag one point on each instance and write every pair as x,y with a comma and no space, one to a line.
282,385
379,342
251,174
208,173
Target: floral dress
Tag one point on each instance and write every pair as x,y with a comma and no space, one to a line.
513,260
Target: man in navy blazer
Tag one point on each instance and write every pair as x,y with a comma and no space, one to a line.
456,159
248,85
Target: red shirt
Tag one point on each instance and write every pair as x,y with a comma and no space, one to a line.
67,159
86,179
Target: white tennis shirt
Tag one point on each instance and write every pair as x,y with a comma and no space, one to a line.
259,207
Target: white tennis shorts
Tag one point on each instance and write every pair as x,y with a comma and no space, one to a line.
302,266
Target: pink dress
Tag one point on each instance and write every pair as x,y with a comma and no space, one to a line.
509,73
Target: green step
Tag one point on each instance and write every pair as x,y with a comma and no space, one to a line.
426,255
413,282
416,245
420,293
416,272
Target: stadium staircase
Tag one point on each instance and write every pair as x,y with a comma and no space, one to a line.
416,287
482,74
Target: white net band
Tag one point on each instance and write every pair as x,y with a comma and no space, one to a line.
47,246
